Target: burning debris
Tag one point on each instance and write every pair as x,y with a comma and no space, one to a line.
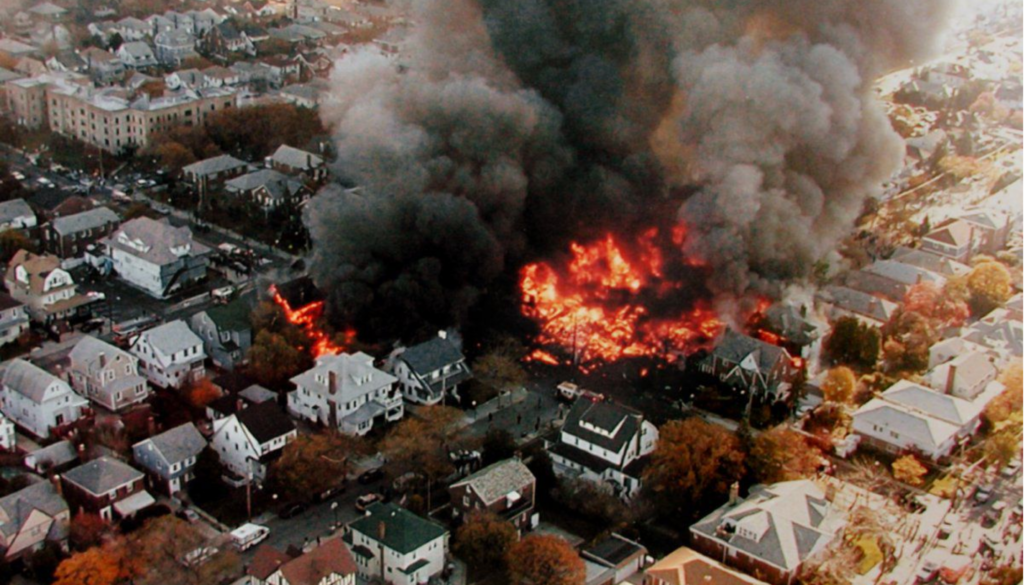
602,306
515,133
308,318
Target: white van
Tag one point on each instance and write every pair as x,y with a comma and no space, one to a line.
248,535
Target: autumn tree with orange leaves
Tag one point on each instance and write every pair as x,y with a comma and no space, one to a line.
420,444
544,560
936,304
483,540
100,565
782,454
694,461
202,392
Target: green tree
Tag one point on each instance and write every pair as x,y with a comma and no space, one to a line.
272,360
694,461
853,343
483,541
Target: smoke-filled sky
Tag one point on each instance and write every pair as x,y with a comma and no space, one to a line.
515,126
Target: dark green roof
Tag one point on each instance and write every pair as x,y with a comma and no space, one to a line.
404,531
233,316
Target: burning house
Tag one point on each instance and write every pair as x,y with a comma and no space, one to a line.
633,196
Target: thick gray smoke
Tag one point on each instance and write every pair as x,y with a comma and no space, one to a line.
511,127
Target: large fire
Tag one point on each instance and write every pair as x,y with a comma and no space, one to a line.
596,307
308,319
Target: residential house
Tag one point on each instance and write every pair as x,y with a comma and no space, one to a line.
891,279
686,566
204,174
249,440
170,355
347,393
13,318
911,417
329,563
612,560
282,69
16,50
772,532
103,67
791,328
430,370
69,236
840,301
55,458
506,488
186,79
132,29
67,61
999,332
218,76
170,457
16,215
32,517
107,375
8,435
174,46
750,365
224,39
265,562
137,55
106,487
967,376
393,544
48,12
953,239
303,95
39,282
991,229
36,400
314,64
296,162
268,188
930,261
226,332
604,443
157,257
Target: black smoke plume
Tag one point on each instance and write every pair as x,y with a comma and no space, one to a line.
507,128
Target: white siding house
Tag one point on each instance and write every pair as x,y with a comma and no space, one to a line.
246,440
107,375
36,400
170,355
413,548
156,256
347,393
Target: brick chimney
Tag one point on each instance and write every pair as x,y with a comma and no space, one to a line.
55,480
734,493
950,378
103,360
332,382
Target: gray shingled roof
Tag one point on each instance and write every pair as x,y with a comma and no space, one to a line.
496,481
13,209
431,355
99,476
157,237
177,444
27,379
735,347
87,352
91,219
170,338
250,181
55,455
16,508
296,158
216,164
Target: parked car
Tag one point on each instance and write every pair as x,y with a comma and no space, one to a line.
329,493
365,501
927,571
371,475
983,494
188,515
18,176
292,510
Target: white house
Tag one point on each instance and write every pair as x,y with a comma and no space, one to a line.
248,439
31,517
428,371
908,416
107,375
413,548
7,438
36,400
347,393
170,355
136,55
604,442
156,256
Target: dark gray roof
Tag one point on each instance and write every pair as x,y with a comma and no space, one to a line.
605,416
431,355
786,320
177,444
403,531
215,164
735,347
102,475
615,550
54,455
257,394
265,421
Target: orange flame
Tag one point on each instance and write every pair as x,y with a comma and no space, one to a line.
307,318
591,309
